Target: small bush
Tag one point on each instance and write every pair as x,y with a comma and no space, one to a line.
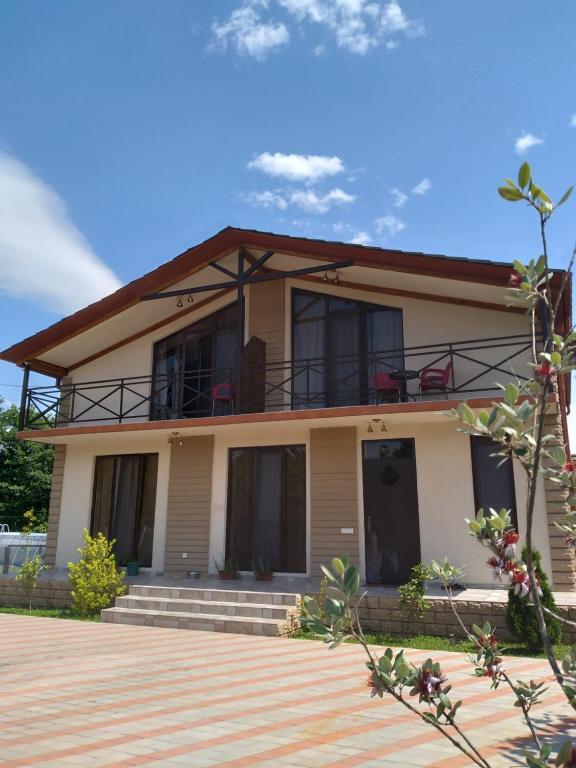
412,601
28,576
521,616
95,579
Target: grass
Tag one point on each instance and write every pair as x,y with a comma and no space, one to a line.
51,613
436,643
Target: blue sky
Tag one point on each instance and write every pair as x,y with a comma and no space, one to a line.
131,129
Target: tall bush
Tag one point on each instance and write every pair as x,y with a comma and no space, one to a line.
95,580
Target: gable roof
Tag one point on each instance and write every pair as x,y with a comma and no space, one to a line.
228,240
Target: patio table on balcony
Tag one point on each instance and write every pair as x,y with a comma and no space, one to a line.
405,375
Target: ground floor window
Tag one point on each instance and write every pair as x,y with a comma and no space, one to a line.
493,481
123,504
266,517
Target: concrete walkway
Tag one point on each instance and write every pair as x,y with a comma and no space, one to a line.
83,694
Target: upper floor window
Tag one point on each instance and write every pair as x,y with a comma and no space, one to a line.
338,346
188,364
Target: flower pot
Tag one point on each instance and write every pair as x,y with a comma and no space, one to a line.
227,575
132,569
264,575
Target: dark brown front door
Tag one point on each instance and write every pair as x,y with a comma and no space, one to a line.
391,525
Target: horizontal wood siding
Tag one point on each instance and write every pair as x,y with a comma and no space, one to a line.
266,321
333,495
55,503
189,499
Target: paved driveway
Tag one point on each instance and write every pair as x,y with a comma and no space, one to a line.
81,694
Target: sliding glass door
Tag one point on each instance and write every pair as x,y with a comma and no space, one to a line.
189,363
123,504
266,517
338,347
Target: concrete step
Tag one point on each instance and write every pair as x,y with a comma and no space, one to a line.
220,608
245,625
219,595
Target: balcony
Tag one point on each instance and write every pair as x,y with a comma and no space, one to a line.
475,367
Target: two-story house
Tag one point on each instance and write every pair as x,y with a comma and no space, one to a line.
274,397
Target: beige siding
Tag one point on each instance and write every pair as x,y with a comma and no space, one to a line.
188,514
55,503
266,321
333,495
562,557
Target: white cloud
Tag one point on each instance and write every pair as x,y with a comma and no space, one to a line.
525,142
308,200
357,26
573,121
245,30
351,234
361,238
423,187
389,225
266,199
319,50
307,168
399,197
44,257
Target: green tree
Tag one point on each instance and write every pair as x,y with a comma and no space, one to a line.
521,617
25,473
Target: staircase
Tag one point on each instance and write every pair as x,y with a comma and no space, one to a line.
215,610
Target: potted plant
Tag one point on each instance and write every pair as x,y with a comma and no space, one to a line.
262,570
132,567
227,568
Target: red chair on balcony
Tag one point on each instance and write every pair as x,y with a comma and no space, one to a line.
223,394
385,389
436,379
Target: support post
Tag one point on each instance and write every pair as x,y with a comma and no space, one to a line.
24,397
240,310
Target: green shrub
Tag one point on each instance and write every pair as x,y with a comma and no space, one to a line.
28,576
412,601
95,580
521,616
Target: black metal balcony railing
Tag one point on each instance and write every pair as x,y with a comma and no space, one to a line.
345,380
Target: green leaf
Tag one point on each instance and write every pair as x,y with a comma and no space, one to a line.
512,393
513,195
524,175
564,197
338,566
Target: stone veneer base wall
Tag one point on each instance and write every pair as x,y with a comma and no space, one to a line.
50,593
383,614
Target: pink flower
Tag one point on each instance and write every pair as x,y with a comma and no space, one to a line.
498,567
569,466
544,370
429,684
510,540
515,280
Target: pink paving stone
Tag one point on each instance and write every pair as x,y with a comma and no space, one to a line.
85,694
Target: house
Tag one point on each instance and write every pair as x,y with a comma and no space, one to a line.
274,397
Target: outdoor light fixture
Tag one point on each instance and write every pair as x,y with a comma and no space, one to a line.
176,439
190,298
179,302
325,277
374,423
